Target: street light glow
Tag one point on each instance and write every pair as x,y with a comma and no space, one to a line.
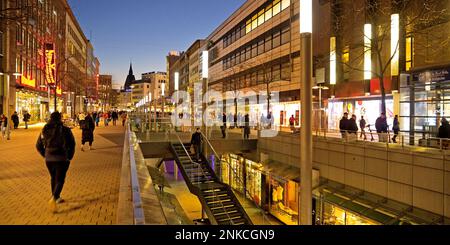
177,80
333,60
367,51
306,16
163,87
395,37
205,60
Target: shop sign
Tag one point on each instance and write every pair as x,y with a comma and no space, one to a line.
50,64
58,90
433,76
28,81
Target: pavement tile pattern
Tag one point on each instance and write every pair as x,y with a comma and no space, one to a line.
91,189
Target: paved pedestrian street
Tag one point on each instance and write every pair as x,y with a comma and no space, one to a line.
92,183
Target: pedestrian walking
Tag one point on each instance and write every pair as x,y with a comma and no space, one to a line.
115,117
57,145
97,119
106,118
87,135
224,125
343,125
15,119
196,142
382,127
4,125
246,126
362,126
396,129
26,118
352,126
292,123
444,133
124,118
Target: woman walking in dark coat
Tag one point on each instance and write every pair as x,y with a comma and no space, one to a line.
87,135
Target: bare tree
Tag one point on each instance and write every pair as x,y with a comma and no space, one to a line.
350,16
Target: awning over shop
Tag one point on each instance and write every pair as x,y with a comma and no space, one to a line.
287,172
374,207
282,170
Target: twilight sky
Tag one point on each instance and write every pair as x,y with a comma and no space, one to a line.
144,31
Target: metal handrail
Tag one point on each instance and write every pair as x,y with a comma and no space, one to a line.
203,172
234,170
139,217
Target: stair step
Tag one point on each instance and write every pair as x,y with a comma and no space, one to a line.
206,194
215,197
219,199
229,216
210,186
220,211
241,221
216,206
199,183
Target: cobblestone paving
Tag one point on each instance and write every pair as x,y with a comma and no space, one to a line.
91,189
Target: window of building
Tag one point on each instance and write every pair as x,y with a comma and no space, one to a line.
248,53
345,62
238,58
261,17
254,22
248,26
253,79
268,43
276,40
285,35
276,74
268,13
409,52
286,72
276,7
243,55
260,47
261,77
254,50
285,4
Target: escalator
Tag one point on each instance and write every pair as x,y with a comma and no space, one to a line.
218,200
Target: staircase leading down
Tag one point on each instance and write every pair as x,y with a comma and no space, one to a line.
218,200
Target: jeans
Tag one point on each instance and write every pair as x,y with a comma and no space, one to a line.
57,172
198,150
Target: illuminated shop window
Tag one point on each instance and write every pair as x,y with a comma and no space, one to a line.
409,53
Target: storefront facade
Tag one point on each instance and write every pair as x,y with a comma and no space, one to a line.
272,186
369,107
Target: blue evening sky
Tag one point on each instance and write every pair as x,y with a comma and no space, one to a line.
144,31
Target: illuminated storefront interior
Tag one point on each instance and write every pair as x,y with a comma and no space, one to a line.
273,186
338,204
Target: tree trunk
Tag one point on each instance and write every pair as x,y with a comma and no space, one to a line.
383,96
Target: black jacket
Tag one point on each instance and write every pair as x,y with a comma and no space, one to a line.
352,126
15,118
197,138
381,125
56,143
444,131
343,125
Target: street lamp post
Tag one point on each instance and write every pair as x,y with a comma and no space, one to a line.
306,109
7,92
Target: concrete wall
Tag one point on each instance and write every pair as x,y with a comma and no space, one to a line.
415,176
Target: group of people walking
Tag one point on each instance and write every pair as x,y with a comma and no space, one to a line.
237,124
349,127
4,123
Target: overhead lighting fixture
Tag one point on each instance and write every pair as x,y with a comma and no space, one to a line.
177,80
205,61
306,16
395,44
333,60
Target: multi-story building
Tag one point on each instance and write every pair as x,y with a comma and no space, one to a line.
92,72
158,84
75,74
140,89
29,29
104,90
171,60
258,49
356,44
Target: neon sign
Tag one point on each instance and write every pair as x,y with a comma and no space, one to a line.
28,81
50,64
